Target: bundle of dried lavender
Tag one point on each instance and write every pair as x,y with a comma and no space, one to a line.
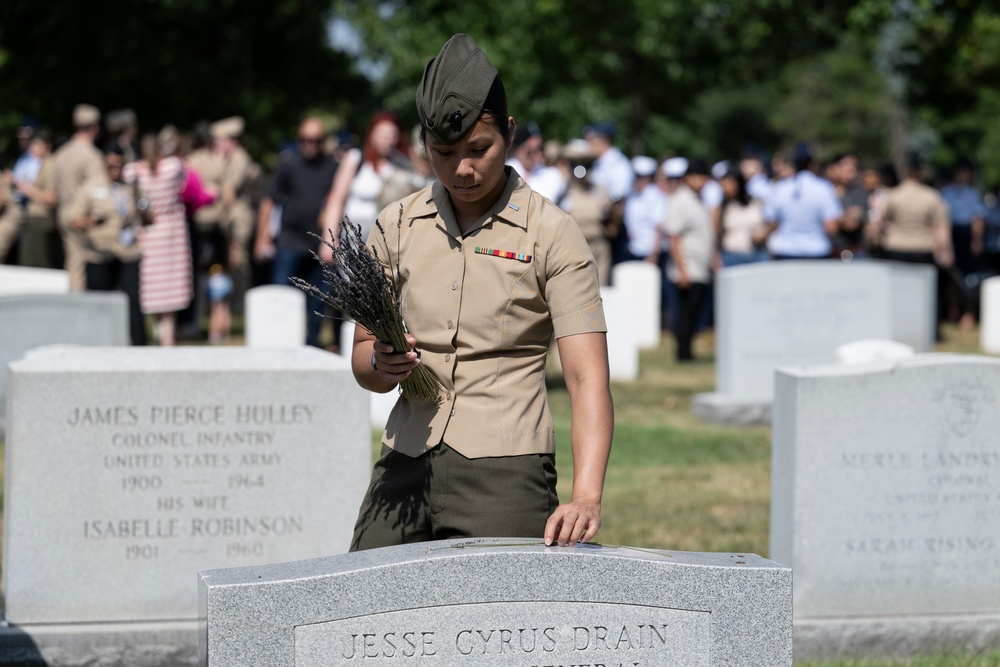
357,286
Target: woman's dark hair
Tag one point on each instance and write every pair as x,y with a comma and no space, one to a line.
742,196
494,107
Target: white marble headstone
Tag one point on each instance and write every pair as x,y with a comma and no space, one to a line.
128,470
623,348
989,316
275,316
867,351
885,484
379,405
30,280
640,284
35,320
492,602
788,313
793,312
913,304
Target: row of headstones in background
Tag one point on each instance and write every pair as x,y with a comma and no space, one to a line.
989,315
495,602
275,317
129,470
38,319
885,501
794,313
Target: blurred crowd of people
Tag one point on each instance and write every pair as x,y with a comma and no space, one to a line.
692,218
184,223
151,215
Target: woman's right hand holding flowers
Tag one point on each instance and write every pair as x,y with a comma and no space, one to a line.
393,366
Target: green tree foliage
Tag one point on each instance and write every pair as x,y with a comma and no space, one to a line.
641,63
837,102
173,61
946,57
697,77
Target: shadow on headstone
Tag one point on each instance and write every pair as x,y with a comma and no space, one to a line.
18,649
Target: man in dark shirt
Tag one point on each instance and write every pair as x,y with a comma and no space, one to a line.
300,185
848,242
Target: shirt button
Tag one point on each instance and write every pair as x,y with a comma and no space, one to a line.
451,324
447,396
447,357
454,286
453,413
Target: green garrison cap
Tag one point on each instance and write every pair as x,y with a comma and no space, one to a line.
454,88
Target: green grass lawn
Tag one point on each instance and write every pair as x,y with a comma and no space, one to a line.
677,483
673,481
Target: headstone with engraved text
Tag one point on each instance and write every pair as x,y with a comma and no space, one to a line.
501,602
128,470
887,506
789,313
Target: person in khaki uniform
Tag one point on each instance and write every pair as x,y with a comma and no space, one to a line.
916,228
489,272
588,204
227,169
11,217
108,213
41,243
77,162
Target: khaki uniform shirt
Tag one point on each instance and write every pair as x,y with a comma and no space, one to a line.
591,208
113,236
688,220
234,175
46,182
484,308
912,210
11,217
77,162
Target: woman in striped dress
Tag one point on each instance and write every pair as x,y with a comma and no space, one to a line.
166,285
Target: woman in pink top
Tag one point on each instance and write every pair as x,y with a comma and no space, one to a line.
166,285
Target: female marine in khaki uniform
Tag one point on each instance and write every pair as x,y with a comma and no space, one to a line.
489,273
